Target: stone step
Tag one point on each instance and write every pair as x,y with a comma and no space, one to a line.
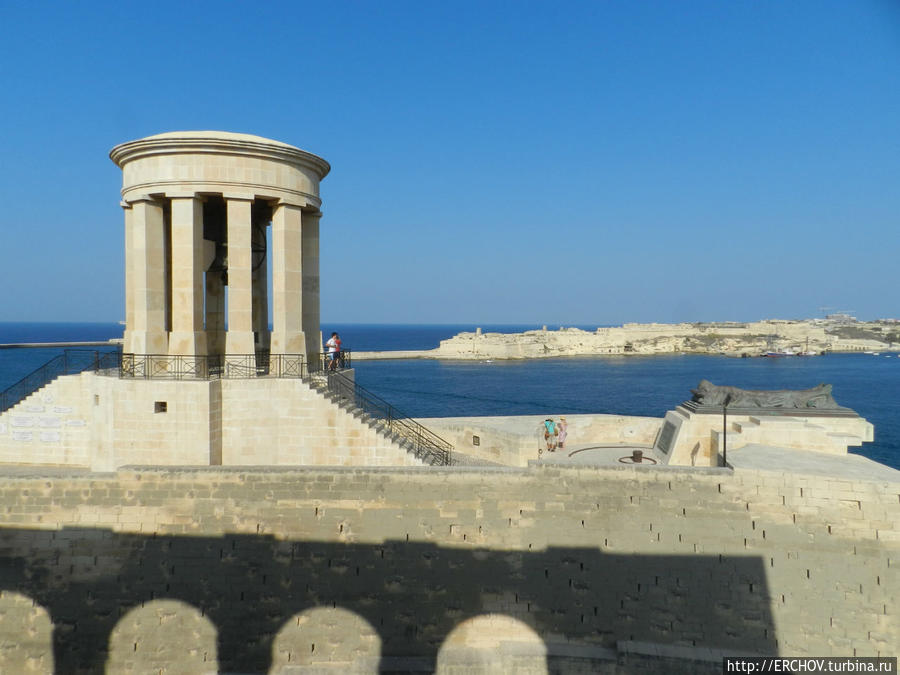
845,440
778,422
379,425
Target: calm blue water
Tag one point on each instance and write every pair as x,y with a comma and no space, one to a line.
629,386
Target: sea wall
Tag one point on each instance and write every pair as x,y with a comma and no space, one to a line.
460,570
102,423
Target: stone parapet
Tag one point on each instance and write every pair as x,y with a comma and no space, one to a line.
551,568
519,439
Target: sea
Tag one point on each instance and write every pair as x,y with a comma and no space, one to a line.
627,385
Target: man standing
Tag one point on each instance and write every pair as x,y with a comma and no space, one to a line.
550,434
334,351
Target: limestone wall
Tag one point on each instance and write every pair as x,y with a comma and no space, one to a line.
698,439
52,426
285,422
516,440
199,570
102,423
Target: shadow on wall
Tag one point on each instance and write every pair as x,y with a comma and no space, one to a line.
254,604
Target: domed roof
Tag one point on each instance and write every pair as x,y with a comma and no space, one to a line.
216,135
175,142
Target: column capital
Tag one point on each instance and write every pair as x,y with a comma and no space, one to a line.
184,195
295,203
131,201
238,197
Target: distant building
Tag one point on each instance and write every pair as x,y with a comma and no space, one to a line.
841,318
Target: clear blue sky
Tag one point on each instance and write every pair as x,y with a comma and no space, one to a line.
493,162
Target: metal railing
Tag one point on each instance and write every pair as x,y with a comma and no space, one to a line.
426,445
70,362
154,366
324,361
212,366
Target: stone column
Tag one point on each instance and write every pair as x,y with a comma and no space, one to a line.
310,262
146,334
261,288
239,339
215,312
287,282
188,337
129,278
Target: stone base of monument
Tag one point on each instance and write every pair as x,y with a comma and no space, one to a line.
694,434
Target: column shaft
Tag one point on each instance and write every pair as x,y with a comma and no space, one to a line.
187,337
310,255
215,312
147,269
129,278
239,339
261,288
287,281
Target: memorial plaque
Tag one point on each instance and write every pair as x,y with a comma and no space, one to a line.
76,423
62,410
664,443
22,422
2,427
22,435
50,422
50,437
34,408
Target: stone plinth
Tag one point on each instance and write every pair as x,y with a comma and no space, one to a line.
694,435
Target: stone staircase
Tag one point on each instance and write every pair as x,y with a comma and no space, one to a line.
383,418
832,435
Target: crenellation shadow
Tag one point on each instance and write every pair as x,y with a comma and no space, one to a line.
413,594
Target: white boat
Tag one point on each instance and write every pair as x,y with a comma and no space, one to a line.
783,352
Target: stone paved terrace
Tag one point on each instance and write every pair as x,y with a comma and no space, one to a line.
802,462
595,454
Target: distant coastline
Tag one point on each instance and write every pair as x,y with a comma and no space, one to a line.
777,337
838,334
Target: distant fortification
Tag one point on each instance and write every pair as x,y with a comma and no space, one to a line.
842,334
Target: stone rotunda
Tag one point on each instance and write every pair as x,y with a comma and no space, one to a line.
198,208
221,241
